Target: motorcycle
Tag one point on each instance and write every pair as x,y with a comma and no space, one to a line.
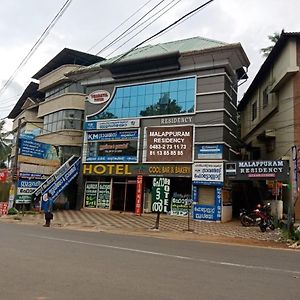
250,218
266,218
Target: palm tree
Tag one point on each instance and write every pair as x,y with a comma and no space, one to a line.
274,39
5,144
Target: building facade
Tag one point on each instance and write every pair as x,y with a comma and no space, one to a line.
162,116
269,113
51,112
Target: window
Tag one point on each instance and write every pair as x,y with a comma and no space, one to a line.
63,119
154,98
265,98
254,110
63,89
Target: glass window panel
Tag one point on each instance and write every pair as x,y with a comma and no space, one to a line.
165,86
190,84
174,86
59,125
149,89
157,88
60,115
133,90
141,89
49,128
126,102
54,127
126,91
46,119
134,101
55,116
181,85
190,95
181,96
50,118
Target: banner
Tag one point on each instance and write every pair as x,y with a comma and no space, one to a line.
90,196
209,151
208,173
160,195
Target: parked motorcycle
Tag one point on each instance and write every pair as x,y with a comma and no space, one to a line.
251,218
266,218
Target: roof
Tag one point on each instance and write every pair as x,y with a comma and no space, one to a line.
181,46
267,65
32,92
67,56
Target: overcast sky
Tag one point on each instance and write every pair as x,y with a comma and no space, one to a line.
85,22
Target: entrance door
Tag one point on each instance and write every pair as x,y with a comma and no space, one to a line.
124,194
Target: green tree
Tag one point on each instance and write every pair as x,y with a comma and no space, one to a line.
5,144
274,39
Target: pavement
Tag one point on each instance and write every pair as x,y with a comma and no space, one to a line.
169,226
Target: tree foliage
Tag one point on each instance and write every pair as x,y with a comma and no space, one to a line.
274,39
5,144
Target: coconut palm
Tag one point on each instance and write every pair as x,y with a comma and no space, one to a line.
5,144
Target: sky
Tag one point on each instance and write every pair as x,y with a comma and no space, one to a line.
86,22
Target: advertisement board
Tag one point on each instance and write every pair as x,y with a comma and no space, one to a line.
258,170
90,196
207,212
208,173
37,149
169,144
180,204
160,195
112,146
114,124
103,197
209,151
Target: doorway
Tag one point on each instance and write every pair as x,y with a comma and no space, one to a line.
124,194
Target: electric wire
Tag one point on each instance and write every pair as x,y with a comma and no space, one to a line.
36,45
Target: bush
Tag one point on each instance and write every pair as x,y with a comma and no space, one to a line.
12,211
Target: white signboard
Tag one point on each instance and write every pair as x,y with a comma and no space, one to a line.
208,173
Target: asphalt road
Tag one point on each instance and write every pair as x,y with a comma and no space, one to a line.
47,263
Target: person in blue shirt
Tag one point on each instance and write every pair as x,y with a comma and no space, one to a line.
46,206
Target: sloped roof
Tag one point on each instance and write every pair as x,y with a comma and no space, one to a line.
30,91
67,56
267,65
181,46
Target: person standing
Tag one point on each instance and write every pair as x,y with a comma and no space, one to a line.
46,206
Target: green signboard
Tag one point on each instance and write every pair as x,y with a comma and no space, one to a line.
160,195
91,190
103,195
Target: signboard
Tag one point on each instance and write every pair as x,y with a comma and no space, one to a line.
208,173
23,199
38,161
98,97
160,195
112,146
3,208
258,170
180,204
36,169
209,151
139,195
103,198
114,124
295,172
37,149
208,212
177,120
169,144
61,183
91,191
170,170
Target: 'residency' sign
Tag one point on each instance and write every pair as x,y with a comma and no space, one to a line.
257,170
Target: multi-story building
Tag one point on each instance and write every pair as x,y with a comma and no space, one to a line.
54,108
270,110
162,116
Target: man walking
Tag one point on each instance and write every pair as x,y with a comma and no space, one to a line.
46,206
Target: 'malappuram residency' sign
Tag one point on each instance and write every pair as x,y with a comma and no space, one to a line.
257,170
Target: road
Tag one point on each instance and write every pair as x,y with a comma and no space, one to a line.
48,263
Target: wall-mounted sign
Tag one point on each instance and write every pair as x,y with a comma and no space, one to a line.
139,195
103,197
90,196
207,212
209,151
160,195
114,124
36,169
37,149
169,144
258,170
98,97
112,146
170,170
208,173
177,120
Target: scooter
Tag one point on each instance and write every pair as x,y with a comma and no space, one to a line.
250,218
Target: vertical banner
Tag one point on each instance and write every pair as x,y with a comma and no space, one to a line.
295,173
139,195
160,195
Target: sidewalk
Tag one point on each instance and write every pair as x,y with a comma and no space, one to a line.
169,227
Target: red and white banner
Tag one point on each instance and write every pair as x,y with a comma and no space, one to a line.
139,195
3,175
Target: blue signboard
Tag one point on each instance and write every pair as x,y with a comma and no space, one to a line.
23,183
62,182
112,135
37,149
209,151
207,212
